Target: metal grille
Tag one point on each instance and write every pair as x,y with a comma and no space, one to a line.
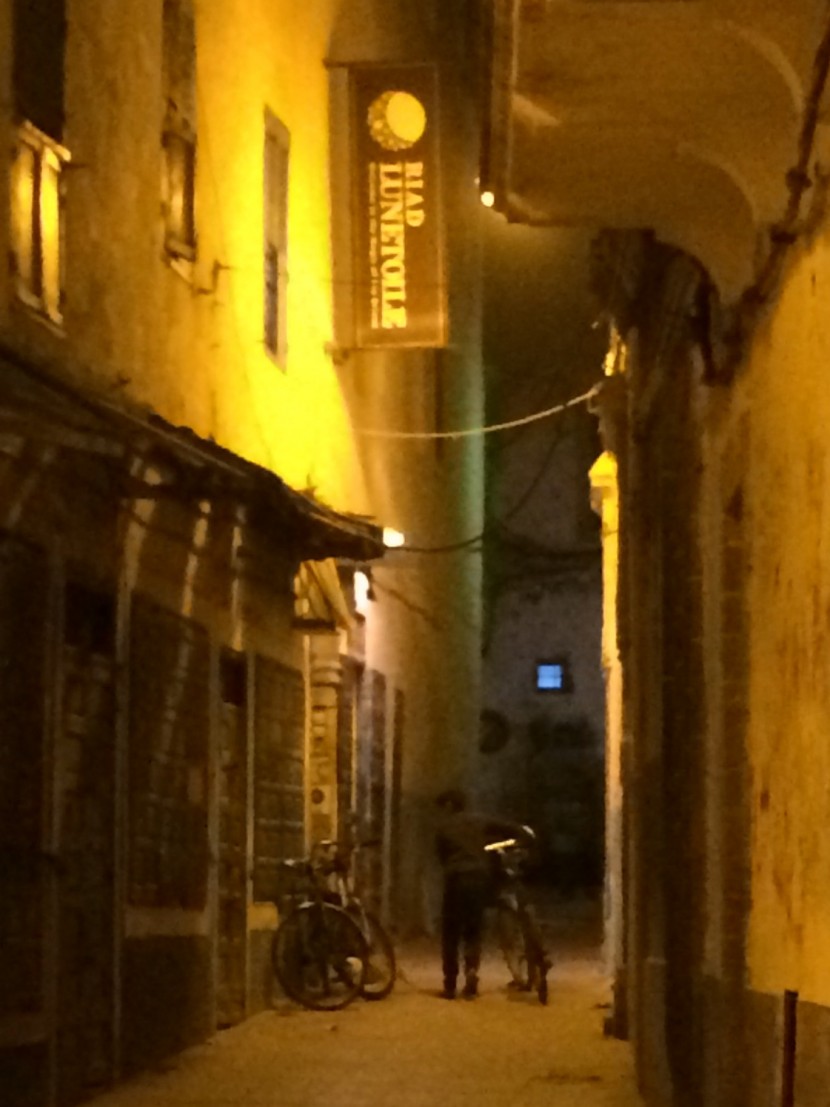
395,800
85,786
169,717
23,591
279,773
345,747
230,998
371,783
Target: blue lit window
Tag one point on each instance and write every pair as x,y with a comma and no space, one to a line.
552,676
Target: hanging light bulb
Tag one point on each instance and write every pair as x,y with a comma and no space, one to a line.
362,592
393,539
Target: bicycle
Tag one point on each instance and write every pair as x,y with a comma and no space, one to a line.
335,864
319,953
518,929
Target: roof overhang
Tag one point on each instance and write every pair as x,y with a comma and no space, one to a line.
38,408
679,116
321,604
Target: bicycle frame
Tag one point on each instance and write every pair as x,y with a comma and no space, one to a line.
511,896
318,946
334,872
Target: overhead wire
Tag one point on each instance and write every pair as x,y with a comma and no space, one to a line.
492,428
452,547
517,506
488,531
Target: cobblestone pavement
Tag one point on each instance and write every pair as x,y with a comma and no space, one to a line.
502,1050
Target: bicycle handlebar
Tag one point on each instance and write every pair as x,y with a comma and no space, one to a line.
508,843
525,842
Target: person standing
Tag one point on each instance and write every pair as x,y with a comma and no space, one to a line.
460,840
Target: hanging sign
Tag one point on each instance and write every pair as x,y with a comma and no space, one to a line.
400,296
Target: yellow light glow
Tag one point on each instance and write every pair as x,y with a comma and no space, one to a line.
616,354
50,231
397,120
393,539
406,116
36,219
304,431
488,198
23,193
506,843
361,593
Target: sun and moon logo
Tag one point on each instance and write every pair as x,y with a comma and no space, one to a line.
397,120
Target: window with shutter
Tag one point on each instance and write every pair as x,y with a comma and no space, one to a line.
179,129
275,246
38,157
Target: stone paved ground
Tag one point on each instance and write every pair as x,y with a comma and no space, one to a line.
413,1048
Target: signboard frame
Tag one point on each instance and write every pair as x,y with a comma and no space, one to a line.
398,265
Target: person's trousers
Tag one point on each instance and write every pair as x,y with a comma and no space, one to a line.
462,922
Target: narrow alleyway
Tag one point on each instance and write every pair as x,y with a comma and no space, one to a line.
503,1050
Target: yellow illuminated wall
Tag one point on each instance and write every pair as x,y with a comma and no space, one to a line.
786,389
606,502
302,428
187,339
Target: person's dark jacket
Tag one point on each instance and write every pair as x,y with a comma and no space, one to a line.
461,837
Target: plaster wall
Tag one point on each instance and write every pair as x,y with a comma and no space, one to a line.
789,604
605,500
186,338
753,807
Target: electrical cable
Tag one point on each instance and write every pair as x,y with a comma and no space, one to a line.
470,432
493,531
517,506
546,383
451,548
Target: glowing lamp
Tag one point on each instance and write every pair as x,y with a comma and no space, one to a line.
362,592
393,539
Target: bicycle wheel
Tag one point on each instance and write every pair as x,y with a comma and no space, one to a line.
542,986
319,956
380,958
537,959
539,966
512,944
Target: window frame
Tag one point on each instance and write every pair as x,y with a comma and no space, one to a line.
179,130
276,178
563,662
38,270
179,205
